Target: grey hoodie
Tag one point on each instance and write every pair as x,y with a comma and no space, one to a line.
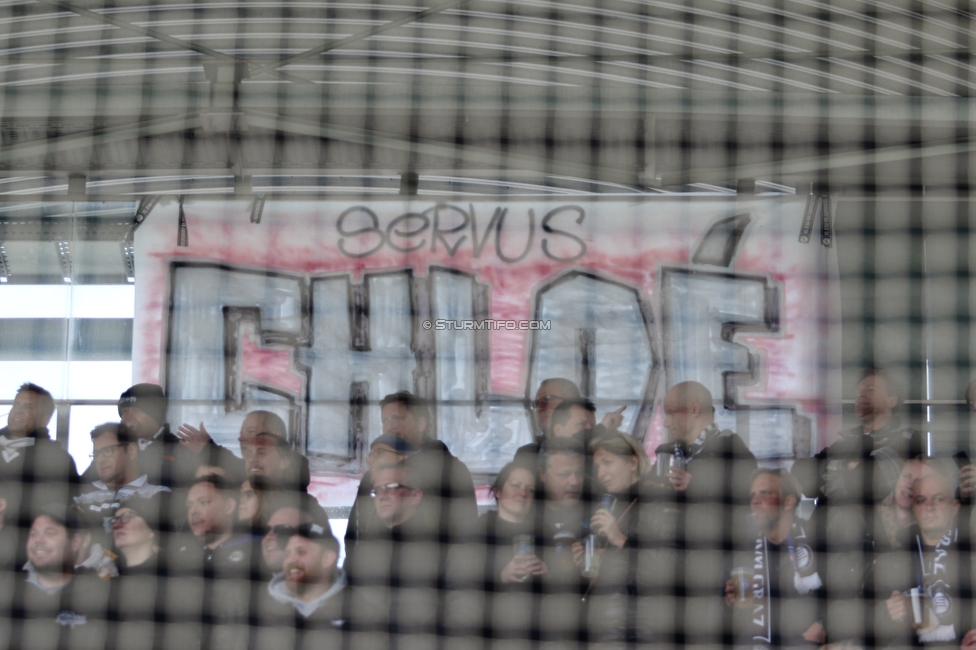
278,590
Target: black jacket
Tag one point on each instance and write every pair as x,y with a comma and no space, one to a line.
846,469
449,496
721,468
43,472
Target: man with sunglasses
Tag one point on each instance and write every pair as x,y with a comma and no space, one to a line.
553,395
394,571
286,512
442,476
552,392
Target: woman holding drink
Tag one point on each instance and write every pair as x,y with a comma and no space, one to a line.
494,573
634,526
620,462
510,527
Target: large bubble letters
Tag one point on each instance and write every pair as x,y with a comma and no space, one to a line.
702,311
322,351
602,336
221,320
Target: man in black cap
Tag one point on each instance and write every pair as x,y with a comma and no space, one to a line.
302,606
30,461
286,510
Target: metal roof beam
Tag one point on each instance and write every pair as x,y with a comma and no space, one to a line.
491,158
359,36
95,137
817,167
154,34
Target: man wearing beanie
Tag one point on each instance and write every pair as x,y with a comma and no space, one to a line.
161,456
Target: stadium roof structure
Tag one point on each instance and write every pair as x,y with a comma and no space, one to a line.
481,97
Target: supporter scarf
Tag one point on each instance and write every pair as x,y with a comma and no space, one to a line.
707,434
11,447
934,578
805,579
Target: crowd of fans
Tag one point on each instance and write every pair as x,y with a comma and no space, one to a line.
171,541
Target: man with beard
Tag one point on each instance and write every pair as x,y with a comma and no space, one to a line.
255,423
272,457
781,569
848,470
302,606
59,609
286,512
923,592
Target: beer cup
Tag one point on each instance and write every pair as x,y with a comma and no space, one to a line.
742,587
918,608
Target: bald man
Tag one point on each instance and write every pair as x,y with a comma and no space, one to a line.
718,463
551,394
256,422
712,493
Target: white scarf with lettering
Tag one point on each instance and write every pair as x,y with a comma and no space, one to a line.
806,578
933,579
